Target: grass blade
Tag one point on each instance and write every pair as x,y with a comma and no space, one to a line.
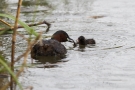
10,71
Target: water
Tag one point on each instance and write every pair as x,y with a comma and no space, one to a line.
108,65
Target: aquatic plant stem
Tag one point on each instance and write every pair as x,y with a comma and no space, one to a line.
35,24
5,23
14,40
26,53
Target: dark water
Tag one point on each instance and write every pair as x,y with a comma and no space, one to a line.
108,65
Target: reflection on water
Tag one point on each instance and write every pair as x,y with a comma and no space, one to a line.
35,6
35,2
49,62
49,59
5,45
83,48
3,6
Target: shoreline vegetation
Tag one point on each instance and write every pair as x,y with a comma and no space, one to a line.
7,69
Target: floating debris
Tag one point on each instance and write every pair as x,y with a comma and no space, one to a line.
96,17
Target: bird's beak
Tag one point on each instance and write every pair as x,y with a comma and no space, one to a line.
71,40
